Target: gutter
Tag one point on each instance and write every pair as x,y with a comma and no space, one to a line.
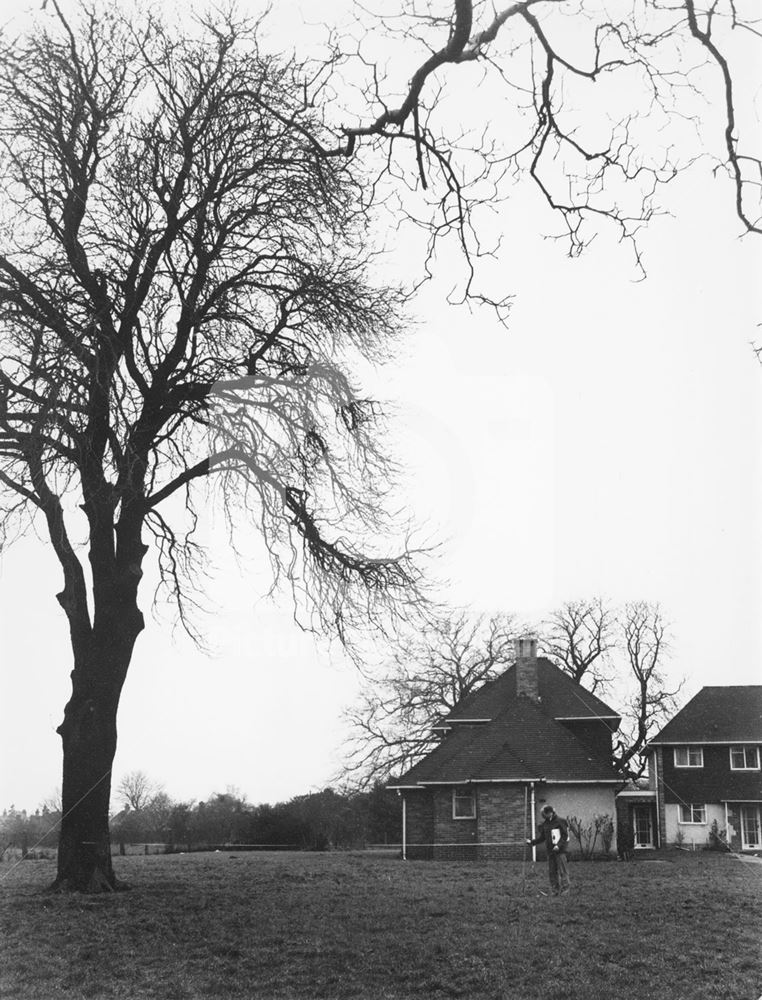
583,781
701,743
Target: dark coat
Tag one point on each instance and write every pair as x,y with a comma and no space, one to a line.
545,835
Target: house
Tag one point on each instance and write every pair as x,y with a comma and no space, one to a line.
531,736
704,768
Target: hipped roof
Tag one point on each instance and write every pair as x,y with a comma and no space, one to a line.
560,698
717,715
518,739
521,744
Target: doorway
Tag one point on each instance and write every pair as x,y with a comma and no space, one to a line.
750,828
642,825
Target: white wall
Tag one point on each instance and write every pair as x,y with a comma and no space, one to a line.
694,834
582,801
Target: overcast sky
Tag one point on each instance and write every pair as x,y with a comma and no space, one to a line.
607,441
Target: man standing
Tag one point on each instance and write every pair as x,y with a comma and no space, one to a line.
554,833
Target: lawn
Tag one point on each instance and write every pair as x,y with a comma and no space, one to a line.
687,927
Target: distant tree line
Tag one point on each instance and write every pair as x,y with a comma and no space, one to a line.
316,821
31,834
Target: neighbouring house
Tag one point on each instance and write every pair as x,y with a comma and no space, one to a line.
531,736
704,767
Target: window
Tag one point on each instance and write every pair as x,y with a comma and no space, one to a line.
692,813
744,758
463,803
689,756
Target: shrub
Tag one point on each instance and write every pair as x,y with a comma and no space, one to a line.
717,839
601,826
607,832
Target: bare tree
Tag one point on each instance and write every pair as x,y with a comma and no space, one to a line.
183,294
428,674
52,803
602,111
579,637
650,699
136,790
622,655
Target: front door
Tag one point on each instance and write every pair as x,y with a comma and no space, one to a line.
642,826
750,828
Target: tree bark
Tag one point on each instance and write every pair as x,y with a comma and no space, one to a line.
89,737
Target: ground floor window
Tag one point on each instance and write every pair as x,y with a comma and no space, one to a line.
463,803
692,813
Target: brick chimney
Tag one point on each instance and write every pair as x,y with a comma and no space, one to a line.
526,667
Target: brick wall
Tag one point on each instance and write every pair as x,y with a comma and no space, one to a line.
449,831
661,802
502,829
419,824
526,678
497,832
625,839
713,782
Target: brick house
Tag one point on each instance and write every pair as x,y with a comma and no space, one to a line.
528,737
704,767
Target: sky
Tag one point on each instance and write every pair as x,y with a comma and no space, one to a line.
605,441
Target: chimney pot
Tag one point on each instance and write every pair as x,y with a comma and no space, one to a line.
525,647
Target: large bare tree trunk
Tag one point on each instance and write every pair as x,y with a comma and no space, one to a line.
89,736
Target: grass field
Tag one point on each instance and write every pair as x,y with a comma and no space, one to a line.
280,926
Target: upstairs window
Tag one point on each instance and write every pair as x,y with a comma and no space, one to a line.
463,803
689,756
692,813
744,758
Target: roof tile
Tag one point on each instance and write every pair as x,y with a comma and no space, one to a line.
560,697
521,742
717,715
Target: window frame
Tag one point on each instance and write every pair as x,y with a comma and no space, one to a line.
692,806
744,748
688,750
461,793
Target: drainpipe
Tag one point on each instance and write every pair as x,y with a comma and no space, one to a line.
534,824
404,828
658,811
